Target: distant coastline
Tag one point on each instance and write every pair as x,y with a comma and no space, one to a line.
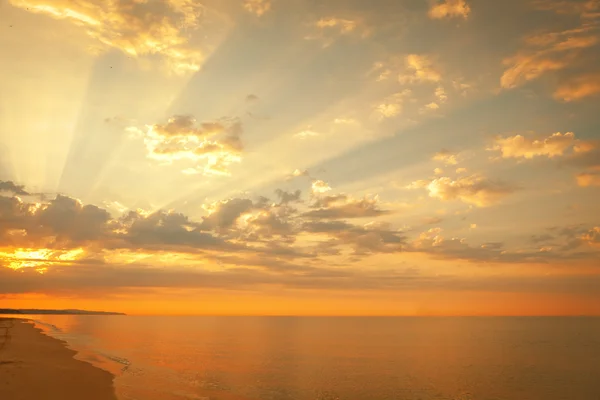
33,311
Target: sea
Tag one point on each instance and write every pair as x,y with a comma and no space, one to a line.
345,358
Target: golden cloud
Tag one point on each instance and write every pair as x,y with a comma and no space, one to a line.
410,69
392,105
212,147
137,28
474,189
328,29
420,69
519,146
446,157
449,9
592,237
430,238
344,25
257,7
319,187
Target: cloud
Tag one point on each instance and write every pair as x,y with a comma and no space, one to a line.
329,29
585,179
392,105
345,121
367,239
63,245
212,147
449,9
440,94
137,28
269,223
474,189
430,107
409,69
319,187
223,214
252,98
307,133
343,206
578,87
584,8
257,7
11,187
447,157
287,197
297,173
567,247
62,223
184,126
519,146
110,280
586,154
343,25
553,52
592,237
420,70
167,230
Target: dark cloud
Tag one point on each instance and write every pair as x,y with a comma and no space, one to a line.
63,222
587,157
70,219
11,187
371,238
288,197
167,229
114,279
564,244
225,213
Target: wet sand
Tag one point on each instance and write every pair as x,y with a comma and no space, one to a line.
34,366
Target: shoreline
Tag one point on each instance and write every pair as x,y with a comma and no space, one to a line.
35,366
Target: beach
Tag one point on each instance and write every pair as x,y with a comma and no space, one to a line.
36,366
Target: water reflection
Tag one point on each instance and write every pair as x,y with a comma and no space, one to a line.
175,358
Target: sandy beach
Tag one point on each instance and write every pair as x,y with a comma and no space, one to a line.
34,366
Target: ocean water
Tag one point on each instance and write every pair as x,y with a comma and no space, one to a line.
289,358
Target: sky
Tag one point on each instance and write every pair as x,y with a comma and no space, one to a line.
301,157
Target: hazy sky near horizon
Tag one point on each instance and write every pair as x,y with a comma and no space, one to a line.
301,157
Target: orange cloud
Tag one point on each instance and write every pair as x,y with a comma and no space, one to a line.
586,9
588,179
578,87
592,237
519,146
548,52
449,9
